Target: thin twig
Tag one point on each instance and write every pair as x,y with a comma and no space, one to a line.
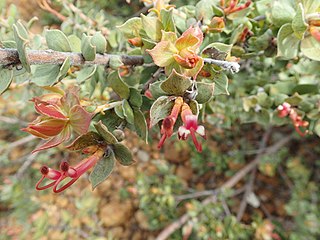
38,57
10,120
29,160
18,143
166,232
285,177
153,78
249,187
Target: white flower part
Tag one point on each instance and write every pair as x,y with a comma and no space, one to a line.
201,131
183,133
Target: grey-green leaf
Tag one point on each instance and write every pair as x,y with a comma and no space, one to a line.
299,25
160,109
87,49
86,73
100,42
123,154
176,84
58,41
221,84
127,111
104,132
205,92
140,124
6,76
85,140
21,38
102,170
118,85
288,43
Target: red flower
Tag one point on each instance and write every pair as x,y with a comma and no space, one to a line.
169,121
285,109
190,127
67,171
61,114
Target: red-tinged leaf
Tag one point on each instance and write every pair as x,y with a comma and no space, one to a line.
55,141
49,127
80,119
86,140
162,53
50,110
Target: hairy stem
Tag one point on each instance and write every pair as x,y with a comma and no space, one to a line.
233,67
38,57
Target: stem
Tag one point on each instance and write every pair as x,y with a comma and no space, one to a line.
312,15
233,67
37,57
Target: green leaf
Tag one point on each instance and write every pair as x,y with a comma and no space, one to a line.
317,128
135,98
131,28
57,41
152,27
299,25
87,49
140,124
239,14
75,43
176,84
167,20
194,106
204,10
102,170
217,50
118,85
86,73
306,88
310,47
115,62
155,89
123,154
127,111
63,70
100,42
104,132
282,12
85,140
6,76
21,38
160,109
288,43
48,75
205,92
221,84
119,111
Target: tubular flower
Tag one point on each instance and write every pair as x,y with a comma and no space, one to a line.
179,53
232,7
285,110
190,126
60,115
169,121
67,171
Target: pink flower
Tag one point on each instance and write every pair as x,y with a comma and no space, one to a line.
60,115
67,171
190,127
284,109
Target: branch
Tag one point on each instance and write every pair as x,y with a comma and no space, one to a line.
233,67
165,233
37,57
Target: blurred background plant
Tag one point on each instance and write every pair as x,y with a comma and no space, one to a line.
277,198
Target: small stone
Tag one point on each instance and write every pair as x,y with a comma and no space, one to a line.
116,213
143,156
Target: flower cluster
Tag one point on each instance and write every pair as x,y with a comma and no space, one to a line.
179,53
190,124
285,110
60,115
67,172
